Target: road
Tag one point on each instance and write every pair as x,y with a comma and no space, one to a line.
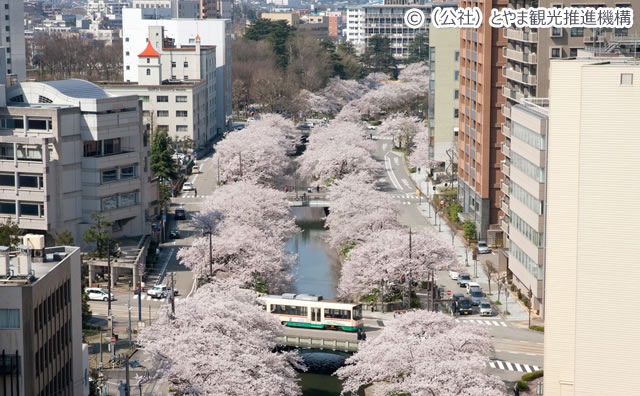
512,345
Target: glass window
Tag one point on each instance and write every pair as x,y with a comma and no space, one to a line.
181,113
186,64
528,136
92,149
555,52
357,312
529,168
128,199
181,99
577,32
28,181
110,203
37,124
7,179
144,99
182,128
29,152
111,146
456,75
148,71
522,195
9,318
163,113
8,207
29,209
173,63
456,56
162,99
109,176
525,260
128,172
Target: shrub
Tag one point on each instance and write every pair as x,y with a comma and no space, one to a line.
513,287
469,230
519,294
537,328
453,208
531,376
525,300
522,386
498,302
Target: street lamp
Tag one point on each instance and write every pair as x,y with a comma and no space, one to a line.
208,232
539,389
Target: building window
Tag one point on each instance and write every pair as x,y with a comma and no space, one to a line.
522,195
163,113
126,39
29,152
528,136
525,260
626,78
148,60
109,203
456,75
556,32
111,146
181,113
182,128
144,99
162,99
577,32
530,169
455,113
128,68
127,53
148,72
128,199
109,176
186,64
573,52
186,77
30,181
163,128
128,172
92,149
456,56
8,207
455,94
181,99
173,63
555,52
30,209
7,180
9,318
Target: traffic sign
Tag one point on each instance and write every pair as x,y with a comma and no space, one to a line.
448,292
164,217
113,340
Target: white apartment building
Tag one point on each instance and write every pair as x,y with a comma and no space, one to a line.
591,342
12,38
183,32
172,100
179,8
107,7
68,150
354,33
41,323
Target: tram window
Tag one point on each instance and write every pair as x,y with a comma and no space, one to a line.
289,310
357,313
337,314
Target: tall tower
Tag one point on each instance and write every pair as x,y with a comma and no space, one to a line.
149,67
12,37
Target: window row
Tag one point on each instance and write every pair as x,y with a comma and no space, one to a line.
121,173
165,113
25,180
21,152
522,195
9,318
288,310
528,136
528,263
53,347
60,382
18,123
537,238
50,307
119,201
185,64
529,168
337,314
98,148
34,209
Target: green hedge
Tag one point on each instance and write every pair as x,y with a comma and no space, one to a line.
537,328
523,386
531,376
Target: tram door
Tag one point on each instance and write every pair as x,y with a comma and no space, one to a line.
315,315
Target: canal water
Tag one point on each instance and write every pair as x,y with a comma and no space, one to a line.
316,272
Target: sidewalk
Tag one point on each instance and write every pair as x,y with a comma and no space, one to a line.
517,311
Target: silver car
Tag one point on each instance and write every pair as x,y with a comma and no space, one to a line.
483,248
476,295
485,308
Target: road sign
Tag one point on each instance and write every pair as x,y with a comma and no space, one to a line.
113,340
164,217
418,192
448,292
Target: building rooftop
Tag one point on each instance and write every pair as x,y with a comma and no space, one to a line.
77,88
53,257
165,84
149,52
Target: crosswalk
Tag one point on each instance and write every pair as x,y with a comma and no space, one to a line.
190,194
484,322
405,196
520,367
378,137
149,298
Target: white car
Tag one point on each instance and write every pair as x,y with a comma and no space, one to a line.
371,127
159,291
485,308
483,248
187,186
453,275
95,293
471,285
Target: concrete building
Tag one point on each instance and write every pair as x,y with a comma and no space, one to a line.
479,136
106,7
591,342
68,150
179,8
524,196
354,32
335,23
292,18
174,99
12,38
211,9
444,54
182,33
386,19
41,323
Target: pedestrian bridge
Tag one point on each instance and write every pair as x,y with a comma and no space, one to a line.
313,200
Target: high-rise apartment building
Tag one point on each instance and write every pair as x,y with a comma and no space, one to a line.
12,38
354,32
591,342
183,33
444,54
216,9
479,136
41,323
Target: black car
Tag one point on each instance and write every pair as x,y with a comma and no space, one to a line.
174,233
464,306
180,214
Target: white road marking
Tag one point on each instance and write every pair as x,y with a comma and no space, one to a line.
196,177
503,324
494,322
384,147
406,183
535,368
492,365
396,160
518,367
500,365
509,366
527,368
392,176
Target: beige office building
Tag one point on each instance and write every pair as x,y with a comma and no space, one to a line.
291,18
444,54
592,337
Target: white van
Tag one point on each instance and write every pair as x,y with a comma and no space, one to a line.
95,293
471,285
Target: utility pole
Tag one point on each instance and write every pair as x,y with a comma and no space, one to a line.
240,155
126,371
173,304
218,169
210,255
129,311
101,349
139,286
112,346
409,277
530,294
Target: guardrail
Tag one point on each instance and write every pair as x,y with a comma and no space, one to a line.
311,342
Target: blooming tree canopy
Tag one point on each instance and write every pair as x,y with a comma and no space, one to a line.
420,152
402,129
385,256
416,72
220,342
358,210
423,353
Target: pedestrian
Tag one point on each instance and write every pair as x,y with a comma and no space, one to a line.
286,188
318,189
516,391
195,192
364,336
359,334
309,190
371,136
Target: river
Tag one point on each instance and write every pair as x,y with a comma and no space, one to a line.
316,272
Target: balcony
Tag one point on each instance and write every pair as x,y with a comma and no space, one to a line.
504,186
506,111
504,224
520,35
505,167
512,93
504,204
506,149
519,56
529,79
513,74
506,131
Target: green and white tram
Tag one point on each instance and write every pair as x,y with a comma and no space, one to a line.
306,310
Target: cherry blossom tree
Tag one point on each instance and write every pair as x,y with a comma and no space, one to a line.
374,79
358,210
310,103
423,353
334,161
416,72
385,256
220,342
340,92
419,156
402,129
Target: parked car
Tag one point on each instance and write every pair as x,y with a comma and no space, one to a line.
180,214
174,233
303,127
483,248
485,308
458,296
158,291
371,127
96,293
476,295
187,186
195,169
463,279
471,285
453,275
464,307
